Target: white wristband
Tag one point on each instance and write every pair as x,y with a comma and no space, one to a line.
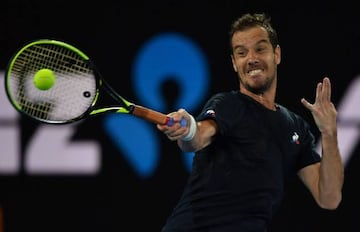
192,130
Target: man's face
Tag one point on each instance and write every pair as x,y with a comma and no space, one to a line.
254,59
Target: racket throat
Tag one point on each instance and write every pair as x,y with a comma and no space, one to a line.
148,114
131,109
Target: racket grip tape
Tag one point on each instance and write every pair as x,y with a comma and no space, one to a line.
154,116
182,122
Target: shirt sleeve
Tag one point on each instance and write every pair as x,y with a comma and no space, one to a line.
309,154
218,108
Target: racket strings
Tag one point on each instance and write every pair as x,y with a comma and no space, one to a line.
73,92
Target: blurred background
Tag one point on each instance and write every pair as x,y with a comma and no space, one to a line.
117,172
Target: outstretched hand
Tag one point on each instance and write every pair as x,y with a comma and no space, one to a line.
176,131
323,110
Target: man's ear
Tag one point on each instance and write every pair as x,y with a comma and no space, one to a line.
278,54
233,63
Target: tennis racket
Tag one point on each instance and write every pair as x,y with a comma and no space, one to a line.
56,83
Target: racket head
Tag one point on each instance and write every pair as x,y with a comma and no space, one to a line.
74,92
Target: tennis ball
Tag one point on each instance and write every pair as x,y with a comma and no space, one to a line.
44,79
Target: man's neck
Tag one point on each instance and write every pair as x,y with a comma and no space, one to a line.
266,99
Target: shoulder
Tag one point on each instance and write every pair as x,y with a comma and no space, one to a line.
222,95
289,113
293,117
220,104
229,96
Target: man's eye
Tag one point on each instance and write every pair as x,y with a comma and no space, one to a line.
241,53
261,49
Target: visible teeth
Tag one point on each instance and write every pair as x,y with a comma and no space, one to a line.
254,72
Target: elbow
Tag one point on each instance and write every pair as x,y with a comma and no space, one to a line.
331,202
186,146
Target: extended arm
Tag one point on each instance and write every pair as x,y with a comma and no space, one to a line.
202,133
325,180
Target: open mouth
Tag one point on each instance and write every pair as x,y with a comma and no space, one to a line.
254,72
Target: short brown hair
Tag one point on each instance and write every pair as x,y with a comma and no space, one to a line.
247,21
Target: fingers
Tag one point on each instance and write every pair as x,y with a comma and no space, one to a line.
318,92
323,93
307,104
177,130
326,89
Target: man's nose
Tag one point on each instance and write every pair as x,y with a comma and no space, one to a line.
253,57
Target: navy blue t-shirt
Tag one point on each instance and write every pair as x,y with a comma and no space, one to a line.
237,182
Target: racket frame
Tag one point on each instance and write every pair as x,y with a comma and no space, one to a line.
126,108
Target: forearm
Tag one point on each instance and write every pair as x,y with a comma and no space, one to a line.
191,145
331,172
202,137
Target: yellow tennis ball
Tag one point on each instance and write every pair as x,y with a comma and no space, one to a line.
44,79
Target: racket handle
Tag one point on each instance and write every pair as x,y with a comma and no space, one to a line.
154,116
182,122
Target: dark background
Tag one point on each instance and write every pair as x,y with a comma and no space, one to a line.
316,40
